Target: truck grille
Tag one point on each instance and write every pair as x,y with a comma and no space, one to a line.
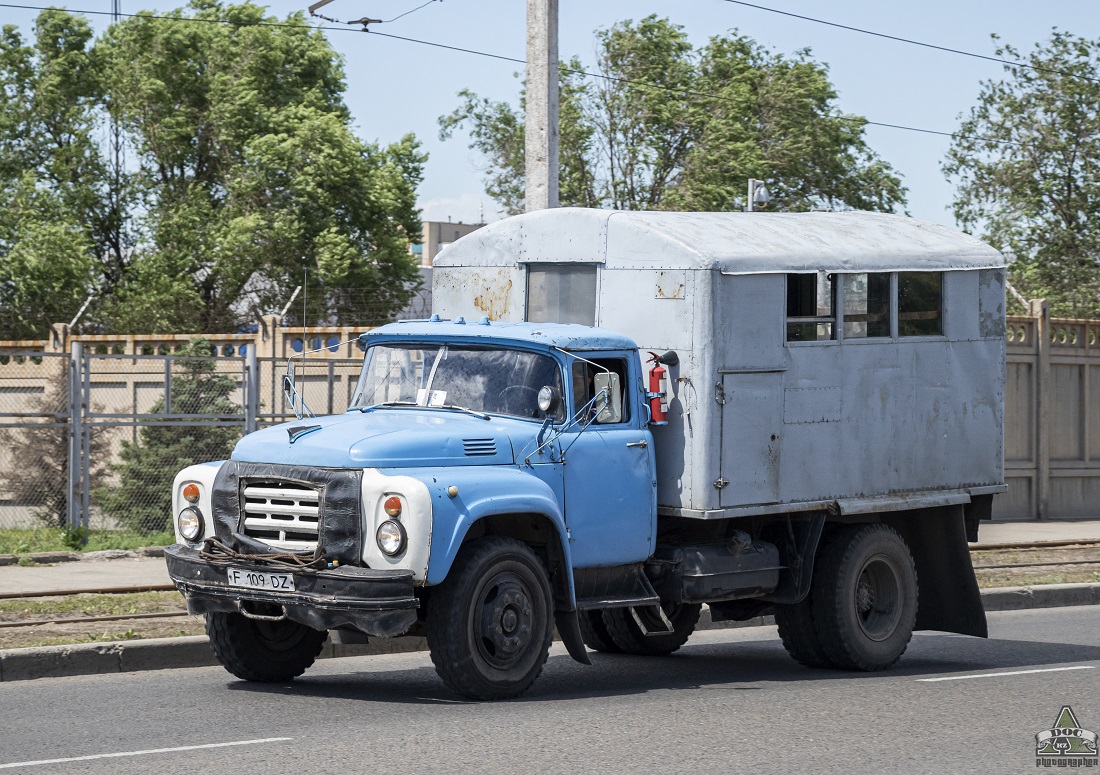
284,515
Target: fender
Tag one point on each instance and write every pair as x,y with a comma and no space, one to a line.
484,492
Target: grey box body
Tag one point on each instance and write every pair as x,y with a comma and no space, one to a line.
758,425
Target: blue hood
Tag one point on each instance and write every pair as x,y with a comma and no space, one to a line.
388,438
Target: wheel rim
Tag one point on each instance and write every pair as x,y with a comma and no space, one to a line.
504,621
878,597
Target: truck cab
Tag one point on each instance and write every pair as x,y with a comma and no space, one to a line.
615,419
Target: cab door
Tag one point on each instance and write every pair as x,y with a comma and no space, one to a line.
610,472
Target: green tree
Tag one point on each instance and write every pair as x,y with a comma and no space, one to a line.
142,498
1025,163
676,127
241,173
56,215
250,173
46,265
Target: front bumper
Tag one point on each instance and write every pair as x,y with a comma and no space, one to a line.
375,602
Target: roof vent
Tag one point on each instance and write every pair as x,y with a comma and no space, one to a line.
479,447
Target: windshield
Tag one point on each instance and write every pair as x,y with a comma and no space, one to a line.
488,380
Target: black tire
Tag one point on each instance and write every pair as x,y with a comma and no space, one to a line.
595,634
630,639
864,597
263,651
796,629
491,621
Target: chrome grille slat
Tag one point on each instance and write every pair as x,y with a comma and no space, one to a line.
282,515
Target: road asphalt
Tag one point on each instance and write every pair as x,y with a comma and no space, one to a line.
130,570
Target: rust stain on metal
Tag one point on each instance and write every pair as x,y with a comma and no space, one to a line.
670,285
495,301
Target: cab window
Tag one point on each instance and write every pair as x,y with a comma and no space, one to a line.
584,386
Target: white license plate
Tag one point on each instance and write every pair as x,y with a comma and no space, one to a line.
256,579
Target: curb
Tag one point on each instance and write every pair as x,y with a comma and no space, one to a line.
194,651
1040,596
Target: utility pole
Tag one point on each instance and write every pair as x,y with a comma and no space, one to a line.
541,141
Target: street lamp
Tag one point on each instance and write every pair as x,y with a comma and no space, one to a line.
758,194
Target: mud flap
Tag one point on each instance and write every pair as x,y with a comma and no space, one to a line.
569,630
949,599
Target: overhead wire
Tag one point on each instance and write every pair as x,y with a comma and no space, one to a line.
586,73
910,41
414,10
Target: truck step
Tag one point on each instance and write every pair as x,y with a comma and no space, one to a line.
619,586
596,603
651,620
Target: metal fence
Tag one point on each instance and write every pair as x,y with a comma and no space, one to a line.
93,439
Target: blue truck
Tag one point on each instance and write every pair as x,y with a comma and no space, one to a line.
613,420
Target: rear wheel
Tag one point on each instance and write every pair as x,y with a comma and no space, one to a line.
864,597
628,636
490,623
796,629
264,651
595,633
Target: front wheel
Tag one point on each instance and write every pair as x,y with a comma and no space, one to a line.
490,623
864,597
263,651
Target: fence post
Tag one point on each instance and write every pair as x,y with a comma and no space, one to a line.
1040,310
59,338
76,442
267,336
252,391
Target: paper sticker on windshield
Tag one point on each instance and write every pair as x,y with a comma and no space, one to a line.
422,397
438,398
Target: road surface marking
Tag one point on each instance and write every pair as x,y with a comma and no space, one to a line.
1013,672
144,753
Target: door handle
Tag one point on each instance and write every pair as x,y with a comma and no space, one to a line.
643,443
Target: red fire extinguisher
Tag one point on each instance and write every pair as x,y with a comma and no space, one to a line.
658,386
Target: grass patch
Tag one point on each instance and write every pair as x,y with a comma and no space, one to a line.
69,634
47,539
91,605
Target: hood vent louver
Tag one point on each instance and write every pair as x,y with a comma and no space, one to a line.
479,447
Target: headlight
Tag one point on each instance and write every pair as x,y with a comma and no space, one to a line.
391,537
189,523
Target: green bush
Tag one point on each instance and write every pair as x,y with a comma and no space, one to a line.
142,499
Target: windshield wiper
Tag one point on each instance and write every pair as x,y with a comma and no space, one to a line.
387,403
415,405
482,415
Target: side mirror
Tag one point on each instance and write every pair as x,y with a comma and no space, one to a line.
611,405
549,400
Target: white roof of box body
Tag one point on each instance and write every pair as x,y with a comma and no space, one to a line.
733,243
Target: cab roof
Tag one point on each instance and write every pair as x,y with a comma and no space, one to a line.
567,336
732,243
